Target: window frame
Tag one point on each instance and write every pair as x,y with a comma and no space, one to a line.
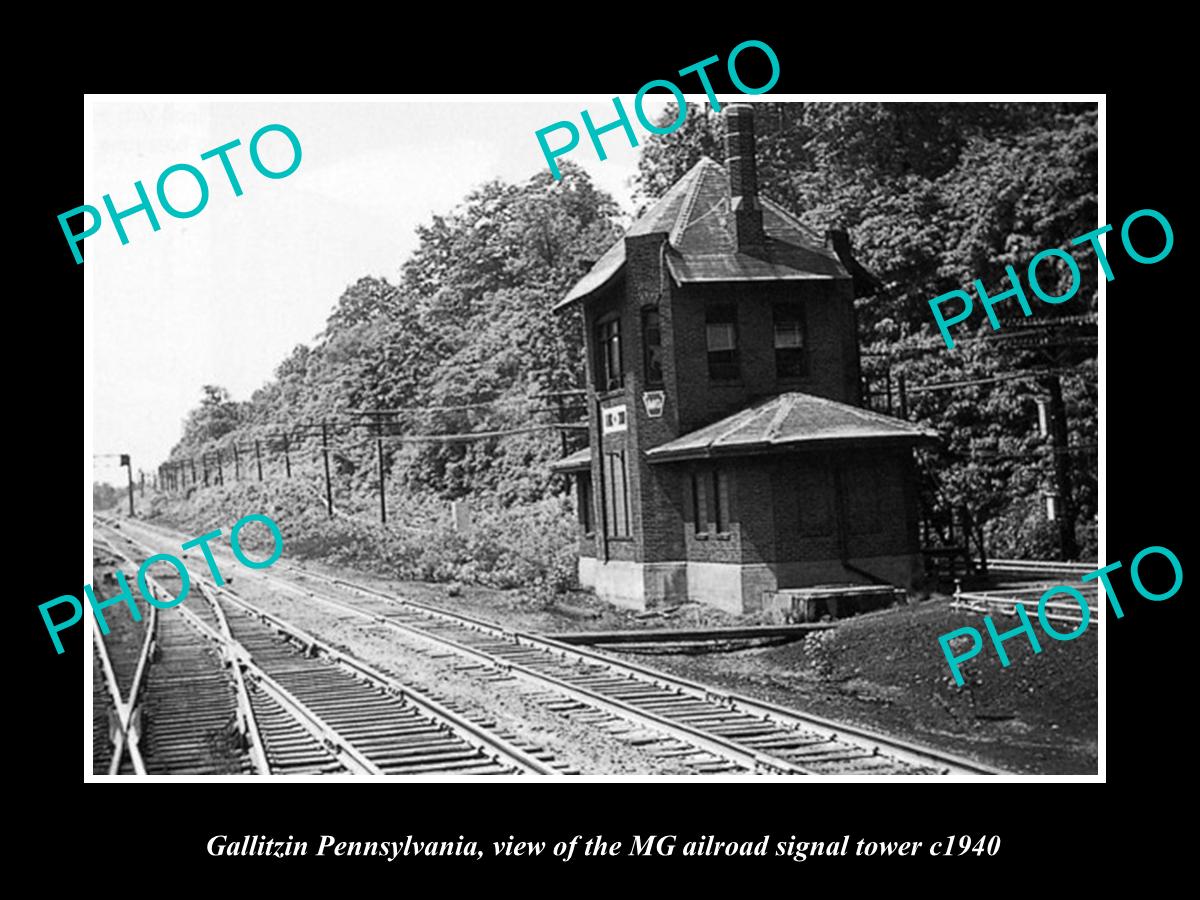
710,502
584,499
606,379
799,366
648,378
730,370
618,522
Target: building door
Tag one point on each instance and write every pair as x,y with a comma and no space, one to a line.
857,515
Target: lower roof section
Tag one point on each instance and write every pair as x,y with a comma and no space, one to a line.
791,421
579,461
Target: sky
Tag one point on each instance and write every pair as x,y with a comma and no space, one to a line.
222,297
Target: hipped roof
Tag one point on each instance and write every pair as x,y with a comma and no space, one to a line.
695,216
791,421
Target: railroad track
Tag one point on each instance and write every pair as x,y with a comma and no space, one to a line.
1004,602
1040,569
219,690
704,729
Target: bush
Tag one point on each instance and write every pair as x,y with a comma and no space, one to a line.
530,546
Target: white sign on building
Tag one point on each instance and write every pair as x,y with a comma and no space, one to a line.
614,420
653,401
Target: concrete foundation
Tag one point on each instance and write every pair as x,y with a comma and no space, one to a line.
733,587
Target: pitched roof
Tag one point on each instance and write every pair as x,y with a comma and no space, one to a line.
791,420
695,216
578,461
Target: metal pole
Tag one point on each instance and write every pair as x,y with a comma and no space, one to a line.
382,497
1060,464
603,497
258,458
129,473
325,453
562,420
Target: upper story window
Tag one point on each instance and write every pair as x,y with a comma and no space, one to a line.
722,338
791,342
608,354
652,347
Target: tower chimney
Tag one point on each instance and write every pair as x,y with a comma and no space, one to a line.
743,176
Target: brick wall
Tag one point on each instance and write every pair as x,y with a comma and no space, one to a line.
876,509
832,346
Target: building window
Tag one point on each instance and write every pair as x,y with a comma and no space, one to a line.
721,335
616,496
791,346
710,501
584,499
652,347
608,353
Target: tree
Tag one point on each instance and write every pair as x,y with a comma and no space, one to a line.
467,341
217,416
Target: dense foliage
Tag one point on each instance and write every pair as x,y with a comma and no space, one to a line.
105,496
933,197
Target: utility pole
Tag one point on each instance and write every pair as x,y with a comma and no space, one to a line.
129,472
258,458
1060,463
562,420
325,452
382,496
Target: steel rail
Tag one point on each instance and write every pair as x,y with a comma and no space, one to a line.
316,726
127,730
898,747
238,658
466,730
472,735
718,746
120,739
247,720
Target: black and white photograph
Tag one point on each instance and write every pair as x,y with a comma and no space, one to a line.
751,436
